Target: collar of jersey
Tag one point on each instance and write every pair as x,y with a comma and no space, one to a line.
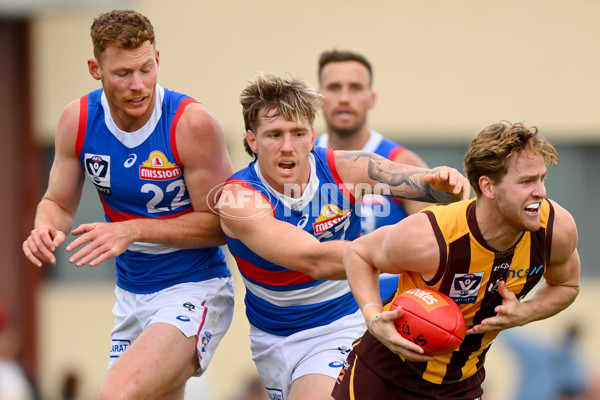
293,203
134,139
371,145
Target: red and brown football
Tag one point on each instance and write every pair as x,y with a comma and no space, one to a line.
430,319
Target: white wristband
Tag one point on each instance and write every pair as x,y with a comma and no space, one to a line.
370,322
370,305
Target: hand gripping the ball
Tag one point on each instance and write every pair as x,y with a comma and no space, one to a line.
430,319
382,326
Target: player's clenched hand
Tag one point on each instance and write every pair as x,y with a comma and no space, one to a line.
99,241
41,243
383,328
449,180
507,314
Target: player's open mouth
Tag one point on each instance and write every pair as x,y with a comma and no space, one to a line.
137,100
288,165
533,209
344,114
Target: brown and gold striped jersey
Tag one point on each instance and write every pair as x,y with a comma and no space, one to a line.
469,272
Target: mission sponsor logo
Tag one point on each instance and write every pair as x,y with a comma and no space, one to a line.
158,168
331,216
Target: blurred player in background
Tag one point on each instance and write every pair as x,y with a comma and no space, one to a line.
15,381
548,370
486,254
153,155
346,83
287,218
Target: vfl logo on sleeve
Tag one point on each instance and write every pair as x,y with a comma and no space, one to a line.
330,216
158,168
97,167
465,287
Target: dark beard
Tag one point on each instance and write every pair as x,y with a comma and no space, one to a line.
344,133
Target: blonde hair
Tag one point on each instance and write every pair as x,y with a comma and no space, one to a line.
490,150
289,97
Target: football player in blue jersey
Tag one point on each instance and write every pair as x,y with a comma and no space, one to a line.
153,155
287,218
346,83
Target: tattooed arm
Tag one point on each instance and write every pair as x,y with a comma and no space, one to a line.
364,173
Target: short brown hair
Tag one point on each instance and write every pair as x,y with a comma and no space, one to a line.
122,28
334,55
292,98
489,152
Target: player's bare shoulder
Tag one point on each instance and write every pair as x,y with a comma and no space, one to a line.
564,232
68,126
243,209
200,139
413,241
198,121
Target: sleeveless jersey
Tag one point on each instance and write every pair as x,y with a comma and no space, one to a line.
282,301
139,175
377,210
469,273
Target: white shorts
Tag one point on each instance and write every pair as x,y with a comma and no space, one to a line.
203,309
323,350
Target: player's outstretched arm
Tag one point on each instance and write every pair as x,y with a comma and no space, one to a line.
366,173
247,216
449,184
56,211
409,157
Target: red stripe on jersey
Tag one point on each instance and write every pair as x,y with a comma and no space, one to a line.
331,161
172,136
281,278
83,112
394,153
116,216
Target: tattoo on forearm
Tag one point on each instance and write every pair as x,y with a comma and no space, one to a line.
404,181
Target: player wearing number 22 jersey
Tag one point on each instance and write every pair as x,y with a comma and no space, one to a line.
139,175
